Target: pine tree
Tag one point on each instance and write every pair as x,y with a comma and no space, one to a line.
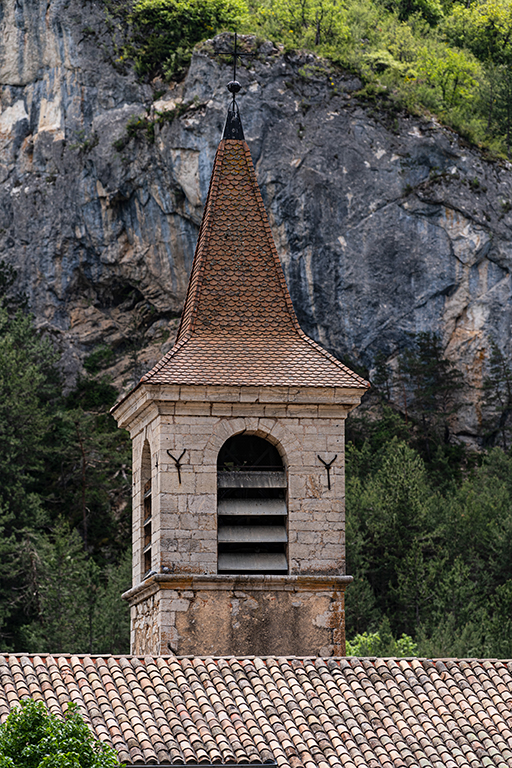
497,398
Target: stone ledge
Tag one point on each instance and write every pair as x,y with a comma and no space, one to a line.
288,583
341,400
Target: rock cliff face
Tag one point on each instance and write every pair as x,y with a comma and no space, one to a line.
383,227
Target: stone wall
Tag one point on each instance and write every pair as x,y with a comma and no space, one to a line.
242,615
200,420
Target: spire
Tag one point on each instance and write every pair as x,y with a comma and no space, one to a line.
238,326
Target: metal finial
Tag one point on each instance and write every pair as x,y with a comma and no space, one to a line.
234,87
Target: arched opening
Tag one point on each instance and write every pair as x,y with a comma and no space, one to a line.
251,507
146,508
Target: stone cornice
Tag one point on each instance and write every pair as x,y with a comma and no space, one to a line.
130,408
186,582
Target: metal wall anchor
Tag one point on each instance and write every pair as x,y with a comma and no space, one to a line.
328,465
178,462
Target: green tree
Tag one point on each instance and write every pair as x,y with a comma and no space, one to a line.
381,643
88,477
303,22
497,398
111,628
453,73
431,10
31,737
390,519
433,384
61,591
478,521
64,491
165,31
28,390
72,604
498,622
485,28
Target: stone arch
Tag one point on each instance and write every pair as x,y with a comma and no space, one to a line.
250,450
252,509
251,426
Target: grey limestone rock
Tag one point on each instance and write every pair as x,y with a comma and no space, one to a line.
383,227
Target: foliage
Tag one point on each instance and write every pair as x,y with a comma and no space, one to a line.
102,357
305,23
485,29
28,387
431,10
450,71
498,399
64,512
381,644
419,398
425,56
62,577
435,564
142,125
165,31
433,382
429,525
32,737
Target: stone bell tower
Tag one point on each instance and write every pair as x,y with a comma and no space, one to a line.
238,453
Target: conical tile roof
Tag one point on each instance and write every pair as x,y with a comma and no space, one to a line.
238,326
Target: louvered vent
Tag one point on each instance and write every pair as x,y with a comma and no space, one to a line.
146,528
251,506
146,510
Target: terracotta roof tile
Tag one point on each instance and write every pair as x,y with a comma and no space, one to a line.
372,713
238,325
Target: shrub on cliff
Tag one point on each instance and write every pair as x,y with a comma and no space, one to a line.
165,31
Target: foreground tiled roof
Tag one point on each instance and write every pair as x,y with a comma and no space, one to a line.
359,713
238,325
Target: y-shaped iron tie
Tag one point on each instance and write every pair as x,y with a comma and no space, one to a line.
178,462
328,465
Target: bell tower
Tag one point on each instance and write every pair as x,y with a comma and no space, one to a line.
238,453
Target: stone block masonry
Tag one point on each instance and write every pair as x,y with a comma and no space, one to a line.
185,505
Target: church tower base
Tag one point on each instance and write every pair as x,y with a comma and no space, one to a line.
239,615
